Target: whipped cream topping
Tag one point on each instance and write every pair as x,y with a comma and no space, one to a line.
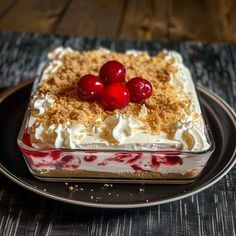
41,103
126,131
122,132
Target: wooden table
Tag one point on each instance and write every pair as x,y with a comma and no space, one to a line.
205,20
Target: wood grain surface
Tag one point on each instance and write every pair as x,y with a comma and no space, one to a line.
31,16
99,18
208,213
205,20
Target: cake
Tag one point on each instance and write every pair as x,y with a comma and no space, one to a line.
144,122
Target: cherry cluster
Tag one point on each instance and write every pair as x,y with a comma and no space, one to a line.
110,87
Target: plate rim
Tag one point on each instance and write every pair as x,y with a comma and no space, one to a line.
232,161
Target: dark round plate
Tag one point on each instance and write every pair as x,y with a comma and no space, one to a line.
222,121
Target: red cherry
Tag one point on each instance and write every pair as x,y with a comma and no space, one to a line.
66,159
90,158
90,87
115,96
112,72
139,88
26,140
55,154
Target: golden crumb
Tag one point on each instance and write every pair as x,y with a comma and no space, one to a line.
164,107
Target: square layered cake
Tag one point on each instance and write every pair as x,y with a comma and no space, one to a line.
104,114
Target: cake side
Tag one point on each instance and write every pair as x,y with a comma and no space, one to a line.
120,162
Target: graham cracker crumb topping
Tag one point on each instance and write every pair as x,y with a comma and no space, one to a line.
165,107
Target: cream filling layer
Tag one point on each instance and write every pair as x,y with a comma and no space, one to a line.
46,164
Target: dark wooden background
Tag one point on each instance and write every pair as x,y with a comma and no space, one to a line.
175,20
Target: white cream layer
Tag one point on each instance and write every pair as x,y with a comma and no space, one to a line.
45,164
125,130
